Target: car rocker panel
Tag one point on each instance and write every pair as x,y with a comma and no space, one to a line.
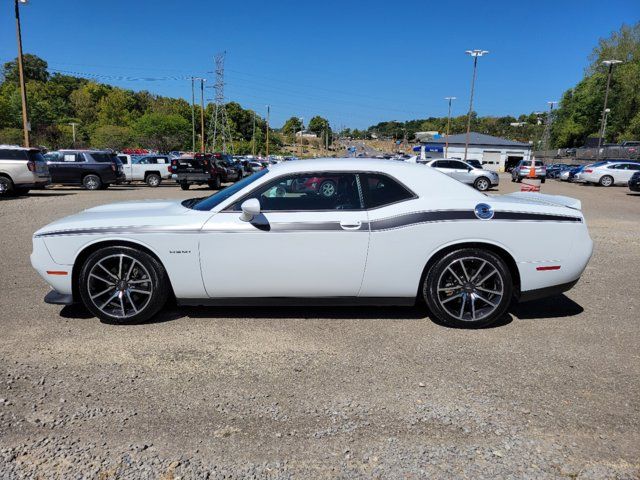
381,252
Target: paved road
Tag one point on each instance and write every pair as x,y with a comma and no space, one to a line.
553,392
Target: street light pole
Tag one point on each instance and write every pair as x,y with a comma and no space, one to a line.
23,88
475,54
253,136
610,64
301,130
446,138
268,113
73,129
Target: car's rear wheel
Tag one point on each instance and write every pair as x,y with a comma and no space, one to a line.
468,288
153,180
6,187
606,181
482,184
123,285
91,182
215,183
184,186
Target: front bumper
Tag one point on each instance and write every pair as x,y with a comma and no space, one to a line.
634,186
56,298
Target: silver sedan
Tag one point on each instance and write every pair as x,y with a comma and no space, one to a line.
480,178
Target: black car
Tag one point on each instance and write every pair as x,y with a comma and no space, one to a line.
634,183
211,169
93,169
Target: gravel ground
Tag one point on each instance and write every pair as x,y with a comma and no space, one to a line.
554,392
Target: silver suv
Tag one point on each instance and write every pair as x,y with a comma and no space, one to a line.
21,169
480,178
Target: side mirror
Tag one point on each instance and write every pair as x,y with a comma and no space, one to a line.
469,169
250,208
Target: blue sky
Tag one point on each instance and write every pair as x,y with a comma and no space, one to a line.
356,63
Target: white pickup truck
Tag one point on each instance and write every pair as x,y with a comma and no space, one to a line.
151,169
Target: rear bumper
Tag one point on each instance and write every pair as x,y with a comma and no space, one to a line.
546,292
193,178
56,298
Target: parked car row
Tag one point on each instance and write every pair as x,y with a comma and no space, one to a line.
605,173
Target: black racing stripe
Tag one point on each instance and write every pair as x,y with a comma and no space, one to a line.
305,226
421,217
536,217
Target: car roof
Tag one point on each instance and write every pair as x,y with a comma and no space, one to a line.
17,147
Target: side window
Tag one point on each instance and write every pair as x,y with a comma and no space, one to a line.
316,191
380,190
634,166
445,164
458,165
123,159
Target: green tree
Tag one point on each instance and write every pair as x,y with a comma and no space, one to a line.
291,126
112,136
163,132
35,68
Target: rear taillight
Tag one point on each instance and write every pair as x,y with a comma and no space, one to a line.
588,171
31,165
174,166
114,167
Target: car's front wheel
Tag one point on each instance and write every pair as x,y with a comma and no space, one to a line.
123,285
482,184
6,187
468,288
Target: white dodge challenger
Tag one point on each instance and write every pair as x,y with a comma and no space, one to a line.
328,231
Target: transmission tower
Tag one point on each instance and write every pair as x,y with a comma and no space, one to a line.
219,129
546,136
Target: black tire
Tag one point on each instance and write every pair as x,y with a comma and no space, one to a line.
184,186
482,184
148,306
606,181
153,180
487,307
91,182
328,189
513,179
518,179
215,183
542,180
6,187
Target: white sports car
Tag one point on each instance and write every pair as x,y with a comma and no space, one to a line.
328,231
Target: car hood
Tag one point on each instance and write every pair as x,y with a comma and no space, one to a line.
141,214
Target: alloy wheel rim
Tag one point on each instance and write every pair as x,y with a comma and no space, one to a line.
328,189
3,187
606,181
153,181
119,286
482,184
470,289
91,183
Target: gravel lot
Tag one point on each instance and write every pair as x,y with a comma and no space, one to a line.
554,392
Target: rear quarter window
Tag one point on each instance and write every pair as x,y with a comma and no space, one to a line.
380,190
10,154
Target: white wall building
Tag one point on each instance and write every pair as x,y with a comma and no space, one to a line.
495,153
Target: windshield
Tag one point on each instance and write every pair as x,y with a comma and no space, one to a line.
208,203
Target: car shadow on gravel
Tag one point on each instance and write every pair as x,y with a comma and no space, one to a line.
552,307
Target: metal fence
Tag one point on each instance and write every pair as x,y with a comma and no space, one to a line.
586,155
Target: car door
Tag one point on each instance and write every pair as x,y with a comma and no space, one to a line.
624,172
138,168
443,166
302,244
126,165
460,171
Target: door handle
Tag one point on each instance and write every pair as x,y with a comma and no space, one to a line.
351,225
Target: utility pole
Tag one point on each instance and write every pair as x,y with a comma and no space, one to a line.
610,64
23,89
202,80
446,138
193,115
475,54
73,129
301,131
268,112
253,136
